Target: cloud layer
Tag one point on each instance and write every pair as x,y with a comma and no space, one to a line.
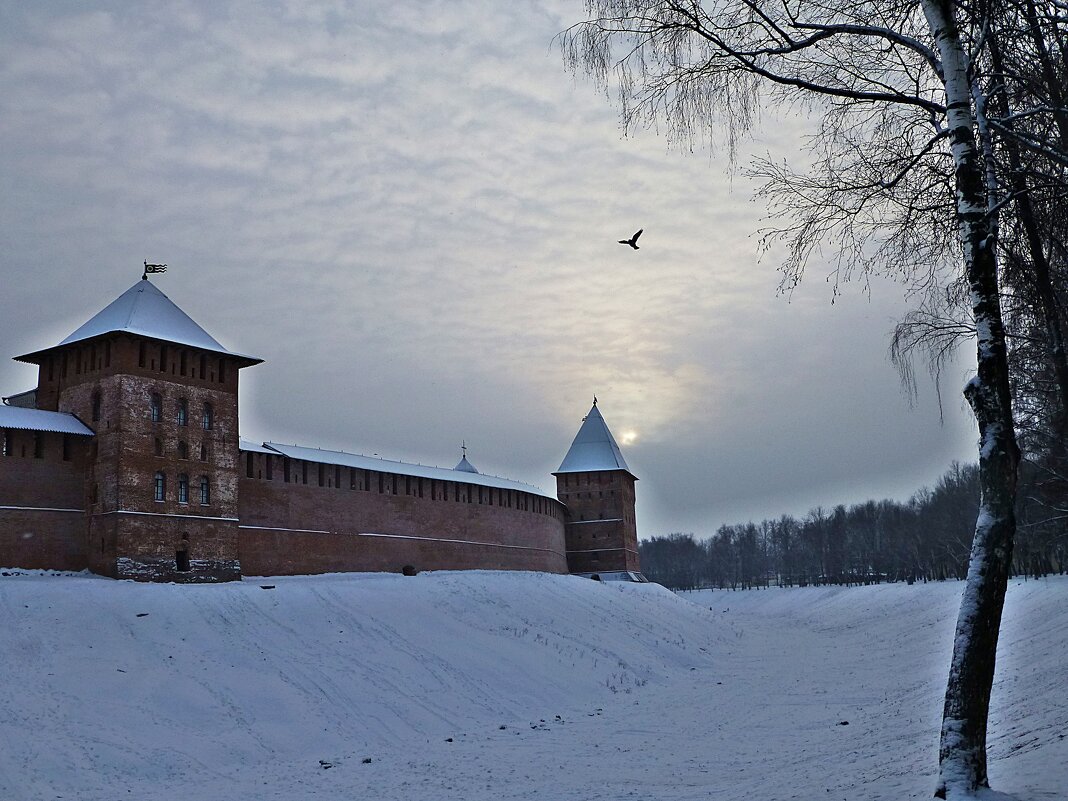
412,215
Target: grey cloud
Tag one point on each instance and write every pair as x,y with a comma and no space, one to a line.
411,213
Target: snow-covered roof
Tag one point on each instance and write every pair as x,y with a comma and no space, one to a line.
42,420
255,447
594,448
465,466
27,399
400,468
145,311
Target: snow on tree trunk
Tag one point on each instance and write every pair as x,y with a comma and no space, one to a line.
962,751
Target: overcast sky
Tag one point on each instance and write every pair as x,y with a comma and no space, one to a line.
410,211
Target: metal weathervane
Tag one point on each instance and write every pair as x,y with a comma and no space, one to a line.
152,268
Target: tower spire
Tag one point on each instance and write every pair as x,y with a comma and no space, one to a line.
594,447
464,465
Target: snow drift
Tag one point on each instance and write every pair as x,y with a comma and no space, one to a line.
486,685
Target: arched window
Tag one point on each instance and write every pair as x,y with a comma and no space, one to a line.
183,412
183,488
183,450
160,487
205,491
96,406
203,452
159,447
155,407
208,419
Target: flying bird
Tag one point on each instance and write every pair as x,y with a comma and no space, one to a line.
633,241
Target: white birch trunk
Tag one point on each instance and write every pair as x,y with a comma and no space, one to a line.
962,750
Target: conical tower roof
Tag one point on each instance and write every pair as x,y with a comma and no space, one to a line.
145,311
594,448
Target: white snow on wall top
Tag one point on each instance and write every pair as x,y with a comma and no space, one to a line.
254,447
594,448
42,420
398,468
144,310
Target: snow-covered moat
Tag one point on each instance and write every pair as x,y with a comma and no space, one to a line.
483,686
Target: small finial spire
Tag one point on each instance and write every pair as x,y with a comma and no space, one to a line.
594,400
464,465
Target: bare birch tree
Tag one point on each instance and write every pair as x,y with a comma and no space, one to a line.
905,181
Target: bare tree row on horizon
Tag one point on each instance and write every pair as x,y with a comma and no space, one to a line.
926,538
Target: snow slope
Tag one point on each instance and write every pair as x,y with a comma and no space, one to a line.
487,685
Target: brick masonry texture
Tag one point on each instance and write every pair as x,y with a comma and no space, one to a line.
128,502
601,532
360,523
53,538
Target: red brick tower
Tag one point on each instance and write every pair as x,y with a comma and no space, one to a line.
597,487
161,396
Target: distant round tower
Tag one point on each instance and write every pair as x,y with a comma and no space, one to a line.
597,487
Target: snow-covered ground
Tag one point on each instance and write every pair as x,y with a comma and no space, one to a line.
484,685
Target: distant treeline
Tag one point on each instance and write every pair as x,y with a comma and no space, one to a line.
927,538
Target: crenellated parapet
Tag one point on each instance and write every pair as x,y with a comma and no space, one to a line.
126,459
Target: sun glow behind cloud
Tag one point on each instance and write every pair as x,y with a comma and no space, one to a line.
413,215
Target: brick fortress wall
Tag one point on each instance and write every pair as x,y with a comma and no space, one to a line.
42,521
79,502
329,518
